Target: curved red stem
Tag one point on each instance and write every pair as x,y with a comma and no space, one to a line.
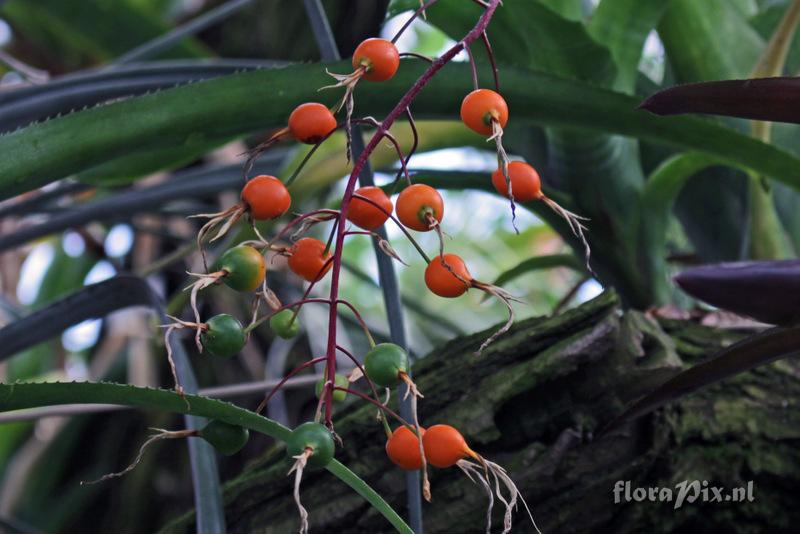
390,119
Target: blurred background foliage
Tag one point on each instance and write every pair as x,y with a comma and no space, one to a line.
632,47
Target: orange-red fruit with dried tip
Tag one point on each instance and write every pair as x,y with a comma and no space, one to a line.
311,122
415,202
480,107
525,182
446,282
367,215
379,58
403,449
266,197
307,259
444,446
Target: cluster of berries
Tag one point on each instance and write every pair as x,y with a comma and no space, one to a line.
419,208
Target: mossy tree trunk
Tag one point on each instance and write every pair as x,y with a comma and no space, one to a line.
532,403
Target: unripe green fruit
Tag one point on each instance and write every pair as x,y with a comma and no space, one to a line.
282,324
245,267
384,363
340,381
224,336
312,436
227,439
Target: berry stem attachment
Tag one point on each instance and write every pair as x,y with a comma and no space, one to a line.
411,19
310,153
417,56
473,67
488,46
398,223
414,144
380,405
294,371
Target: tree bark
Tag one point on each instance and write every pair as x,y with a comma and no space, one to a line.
533,402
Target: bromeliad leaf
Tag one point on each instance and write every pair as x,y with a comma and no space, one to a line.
21,396
768,99
747,354
765,290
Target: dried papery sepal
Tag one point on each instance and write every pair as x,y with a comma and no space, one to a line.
575,223
476,475
254,153
506,298
487,472
297,468
411,388
349,82
502,162
220,221
203,281
160,435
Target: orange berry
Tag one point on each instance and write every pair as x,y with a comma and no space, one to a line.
307,259
266,197
379,57
310,122
525,182
403,449
442,281
480,107
417,201
444,446
366,215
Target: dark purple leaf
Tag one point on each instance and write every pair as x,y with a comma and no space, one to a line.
767,99
768,291
752,352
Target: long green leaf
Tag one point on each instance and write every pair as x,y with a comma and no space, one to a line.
95,29
547,41
623,26
538,263
21,396
245,102
657,201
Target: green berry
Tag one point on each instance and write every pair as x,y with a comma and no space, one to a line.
312,436
282,324
227,439
224,336
341,381
244,266
384,363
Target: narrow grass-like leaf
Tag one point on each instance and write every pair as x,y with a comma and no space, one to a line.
66,94
236,104
538,263
20,396
96,300
171,38
187,185
740,357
